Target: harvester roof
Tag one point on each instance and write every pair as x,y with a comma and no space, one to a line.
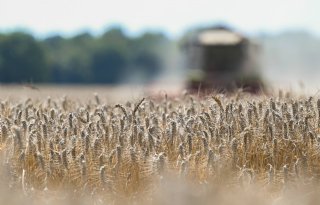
219,37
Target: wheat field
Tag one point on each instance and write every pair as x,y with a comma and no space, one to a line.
186,149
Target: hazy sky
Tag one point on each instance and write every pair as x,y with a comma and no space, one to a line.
172,16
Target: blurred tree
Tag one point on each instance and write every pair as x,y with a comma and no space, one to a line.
110,58
147,64
22,59
109,66
149,55
70,59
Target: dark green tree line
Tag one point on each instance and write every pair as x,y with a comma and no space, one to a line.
22,59
110,58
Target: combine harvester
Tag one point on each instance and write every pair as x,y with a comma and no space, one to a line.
222,60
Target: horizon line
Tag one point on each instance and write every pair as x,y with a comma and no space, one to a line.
130,33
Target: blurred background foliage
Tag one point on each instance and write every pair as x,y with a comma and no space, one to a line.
110,58
114,57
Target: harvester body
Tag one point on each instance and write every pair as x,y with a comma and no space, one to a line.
221,59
